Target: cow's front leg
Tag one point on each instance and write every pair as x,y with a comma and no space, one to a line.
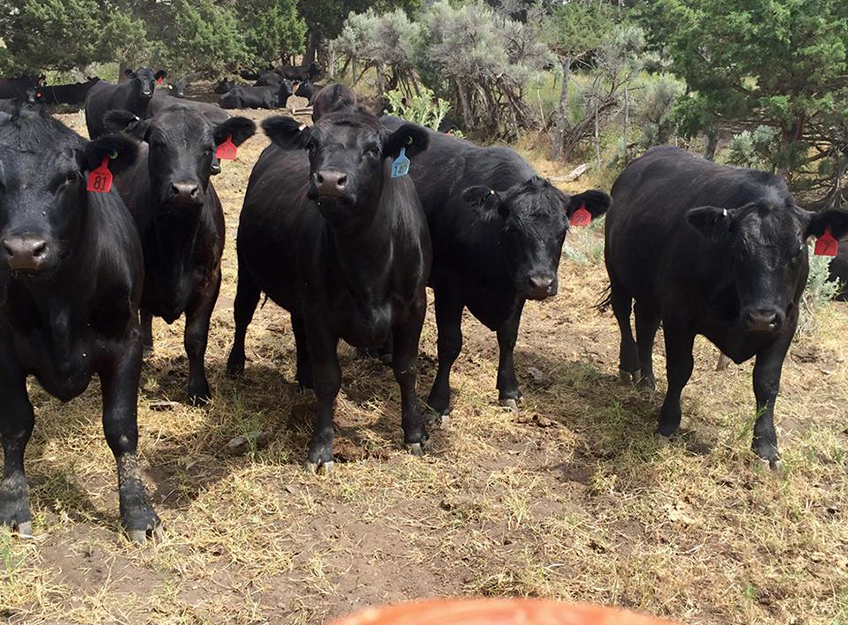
405,365
119,381
767,372
327,378
196,337
16,423
508,391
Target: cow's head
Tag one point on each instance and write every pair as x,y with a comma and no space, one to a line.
43,197
143,81
350,156
332,98
533,218
767,249
182,149
177,88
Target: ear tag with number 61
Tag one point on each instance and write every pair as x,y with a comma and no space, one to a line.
100,179
400,166
826,245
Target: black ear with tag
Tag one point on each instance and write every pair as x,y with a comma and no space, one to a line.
119,149
286,132
414,138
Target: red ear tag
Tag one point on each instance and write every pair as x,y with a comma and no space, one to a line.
227,151
160,80
826,245
100,179
581,217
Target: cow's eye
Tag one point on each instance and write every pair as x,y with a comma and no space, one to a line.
71,177
373,151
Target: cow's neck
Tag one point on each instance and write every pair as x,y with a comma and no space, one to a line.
172,235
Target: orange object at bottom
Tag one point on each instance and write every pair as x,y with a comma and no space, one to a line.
496,612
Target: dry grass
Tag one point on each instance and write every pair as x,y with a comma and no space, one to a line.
581,503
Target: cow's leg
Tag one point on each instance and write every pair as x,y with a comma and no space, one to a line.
628,357
679,364
16,425
508,391
449,305
119,382
327,377
405,366
303,375
647,324
767,372
198,316
146,318
247,297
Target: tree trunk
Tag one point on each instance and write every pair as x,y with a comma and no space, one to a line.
788,137
312,42
463,100
712,144
597,137
626,129
561,125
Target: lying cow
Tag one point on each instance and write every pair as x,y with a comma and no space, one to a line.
271,97
711,250
498,231
181,222
71,274
75,93
132,95
329,234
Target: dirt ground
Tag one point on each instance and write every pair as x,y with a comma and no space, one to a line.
572,497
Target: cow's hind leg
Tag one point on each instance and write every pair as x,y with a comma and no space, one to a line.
679,364
198,316
647,324
247,298
16,425
146,330
449,307
628,359
303,375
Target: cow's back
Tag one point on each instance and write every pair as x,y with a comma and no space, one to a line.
96,104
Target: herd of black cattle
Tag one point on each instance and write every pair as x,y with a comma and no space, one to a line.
344,224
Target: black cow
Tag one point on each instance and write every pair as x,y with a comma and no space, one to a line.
133,95
332,98
177,88
67,94
839,269
269,78
70,279
305,89
181,222
300,73
13,87
330,236
271,97
498,231
711,250
223,86
29,97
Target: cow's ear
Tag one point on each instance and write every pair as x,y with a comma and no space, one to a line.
160,74
595,201
712,222
125,121
834,220
239,128
414,138
488,200
128,72
119,149
286,132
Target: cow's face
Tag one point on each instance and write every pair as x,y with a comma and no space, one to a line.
533,220
177,88
768,254
349,156
182,149
144,81
43,197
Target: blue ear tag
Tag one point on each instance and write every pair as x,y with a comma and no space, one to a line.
400,166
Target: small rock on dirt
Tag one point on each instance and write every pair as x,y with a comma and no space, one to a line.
240,445
537,420
537,376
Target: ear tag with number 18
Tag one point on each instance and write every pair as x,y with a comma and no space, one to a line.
400,166
826,245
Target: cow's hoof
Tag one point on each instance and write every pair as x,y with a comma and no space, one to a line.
647,383
776,465
510,404
685,423
662,439
140,537
629,377
24,529
320,468
420,449
199,396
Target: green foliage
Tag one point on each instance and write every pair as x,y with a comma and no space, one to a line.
654,105
272,29
421,108
754,150
328,17
819,292
577,28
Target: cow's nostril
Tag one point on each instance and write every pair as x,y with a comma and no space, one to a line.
341,182
39,248
9,249
319,178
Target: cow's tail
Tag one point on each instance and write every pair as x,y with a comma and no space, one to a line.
603,304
